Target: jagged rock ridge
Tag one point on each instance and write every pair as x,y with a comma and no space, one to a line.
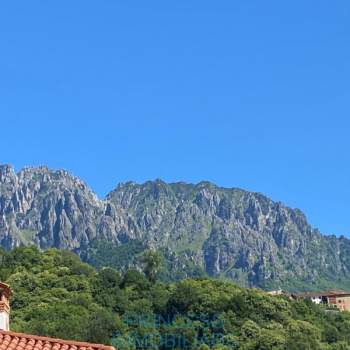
232,233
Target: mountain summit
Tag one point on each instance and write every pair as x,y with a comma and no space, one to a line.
228,233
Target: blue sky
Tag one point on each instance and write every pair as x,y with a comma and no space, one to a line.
251,94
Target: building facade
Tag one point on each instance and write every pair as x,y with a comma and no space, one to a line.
334,298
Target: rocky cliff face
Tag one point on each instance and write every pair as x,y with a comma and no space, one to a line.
228,232
52,209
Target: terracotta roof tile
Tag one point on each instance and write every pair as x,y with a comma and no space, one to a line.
21,341
329,293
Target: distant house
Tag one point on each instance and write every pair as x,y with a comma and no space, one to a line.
20,341
278,292
335,298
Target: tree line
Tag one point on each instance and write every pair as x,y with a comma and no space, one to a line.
57,295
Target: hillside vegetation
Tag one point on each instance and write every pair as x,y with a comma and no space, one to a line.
55,294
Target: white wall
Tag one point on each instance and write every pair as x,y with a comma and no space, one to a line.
4,321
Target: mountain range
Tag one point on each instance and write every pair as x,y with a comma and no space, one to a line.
198,228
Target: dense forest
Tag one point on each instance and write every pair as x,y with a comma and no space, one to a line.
56,294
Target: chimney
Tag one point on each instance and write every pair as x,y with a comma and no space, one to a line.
5,294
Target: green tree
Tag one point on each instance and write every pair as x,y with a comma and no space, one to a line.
152,263
303,336
135,279
101,326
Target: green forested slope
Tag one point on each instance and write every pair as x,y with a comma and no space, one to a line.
55,294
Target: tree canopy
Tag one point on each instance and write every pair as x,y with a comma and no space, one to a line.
56,294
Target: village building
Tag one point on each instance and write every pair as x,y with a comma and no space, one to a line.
335,298
20,341
279,292
276,292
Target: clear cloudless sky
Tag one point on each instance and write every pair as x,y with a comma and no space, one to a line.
251,94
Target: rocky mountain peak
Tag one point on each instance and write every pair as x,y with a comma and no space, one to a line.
7,173
229,233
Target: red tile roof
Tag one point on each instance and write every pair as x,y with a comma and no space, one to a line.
329,293
21,341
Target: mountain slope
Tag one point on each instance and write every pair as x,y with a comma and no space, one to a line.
56,295
228,233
